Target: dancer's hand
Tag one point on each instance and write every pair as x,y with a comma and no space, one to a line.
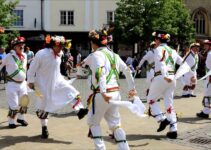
106,97
193,79
132,93
31,86
168,79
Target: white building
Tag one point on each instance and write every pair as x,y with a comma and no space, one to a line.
71,18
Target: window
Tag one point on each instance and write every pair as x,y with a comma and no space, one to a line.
110,17
19,21
199,20
67,17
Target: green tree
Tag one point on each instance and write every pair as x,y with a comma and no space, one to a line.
6,20
136,20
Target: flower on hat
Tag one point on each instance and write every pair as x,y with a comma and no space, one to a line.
1,30
164,36
18,40
68,44
104,40
94,34
154,34
57,40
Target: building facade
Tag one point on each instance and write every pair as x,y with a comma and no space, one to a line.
200,11
71,18
74,18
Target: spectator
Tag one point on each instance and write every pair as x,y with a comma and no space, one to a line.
3,71
129,63
30,55
78,58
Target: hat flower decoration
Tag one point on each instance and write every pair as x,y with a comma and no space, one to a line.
56,40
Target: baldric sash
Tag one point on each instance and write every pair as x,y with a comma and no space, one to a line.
20,67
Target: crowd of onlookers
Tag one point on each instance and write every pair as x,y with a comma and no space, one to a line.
68,62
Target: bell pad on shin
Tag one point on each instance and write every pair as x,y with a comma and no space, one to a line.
12,113
42,114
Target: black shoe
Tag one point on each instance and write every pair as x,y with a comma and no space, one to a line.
202,115
186,96
191,95
12,126
163,125
82,112
172,135
22,122
45,133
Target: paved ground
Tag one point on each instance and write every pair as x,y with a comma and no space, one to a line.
67,132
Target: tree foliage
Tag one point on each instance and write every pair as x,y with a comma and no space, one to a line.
6,20
136,19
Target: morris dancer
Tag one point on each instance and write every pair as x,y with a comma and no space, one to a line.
44,74
163,84
190,78
149,57
207,85
105,66
16,87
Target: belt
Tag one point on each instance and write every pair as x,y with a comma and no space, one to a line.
159,73
112,89
9,79
91,99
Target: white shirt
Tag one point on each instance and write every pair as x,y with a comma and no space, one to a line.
11,65
129,61
103,61
161,55
149,57
208,60
191,59
78,59
44,72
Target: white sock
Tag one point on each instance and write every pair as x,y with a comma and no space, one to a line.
44,122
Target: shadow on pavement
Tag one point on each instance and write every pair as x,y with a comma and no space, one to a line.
63,115
134,137
178,97
194,120
7,128
12,140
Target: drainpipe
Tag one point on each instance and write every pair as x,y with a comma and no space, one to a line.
42,1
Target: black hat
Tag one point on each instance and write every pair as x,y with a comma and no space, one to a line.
163,35
99,37
17,41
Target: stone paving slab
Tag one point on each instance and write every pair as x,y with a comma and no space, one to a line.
199,138
67,132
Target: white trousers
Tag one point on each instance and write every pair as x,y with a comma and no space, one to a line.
13,93
160,88
207,93
186,79
111,114
150,76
